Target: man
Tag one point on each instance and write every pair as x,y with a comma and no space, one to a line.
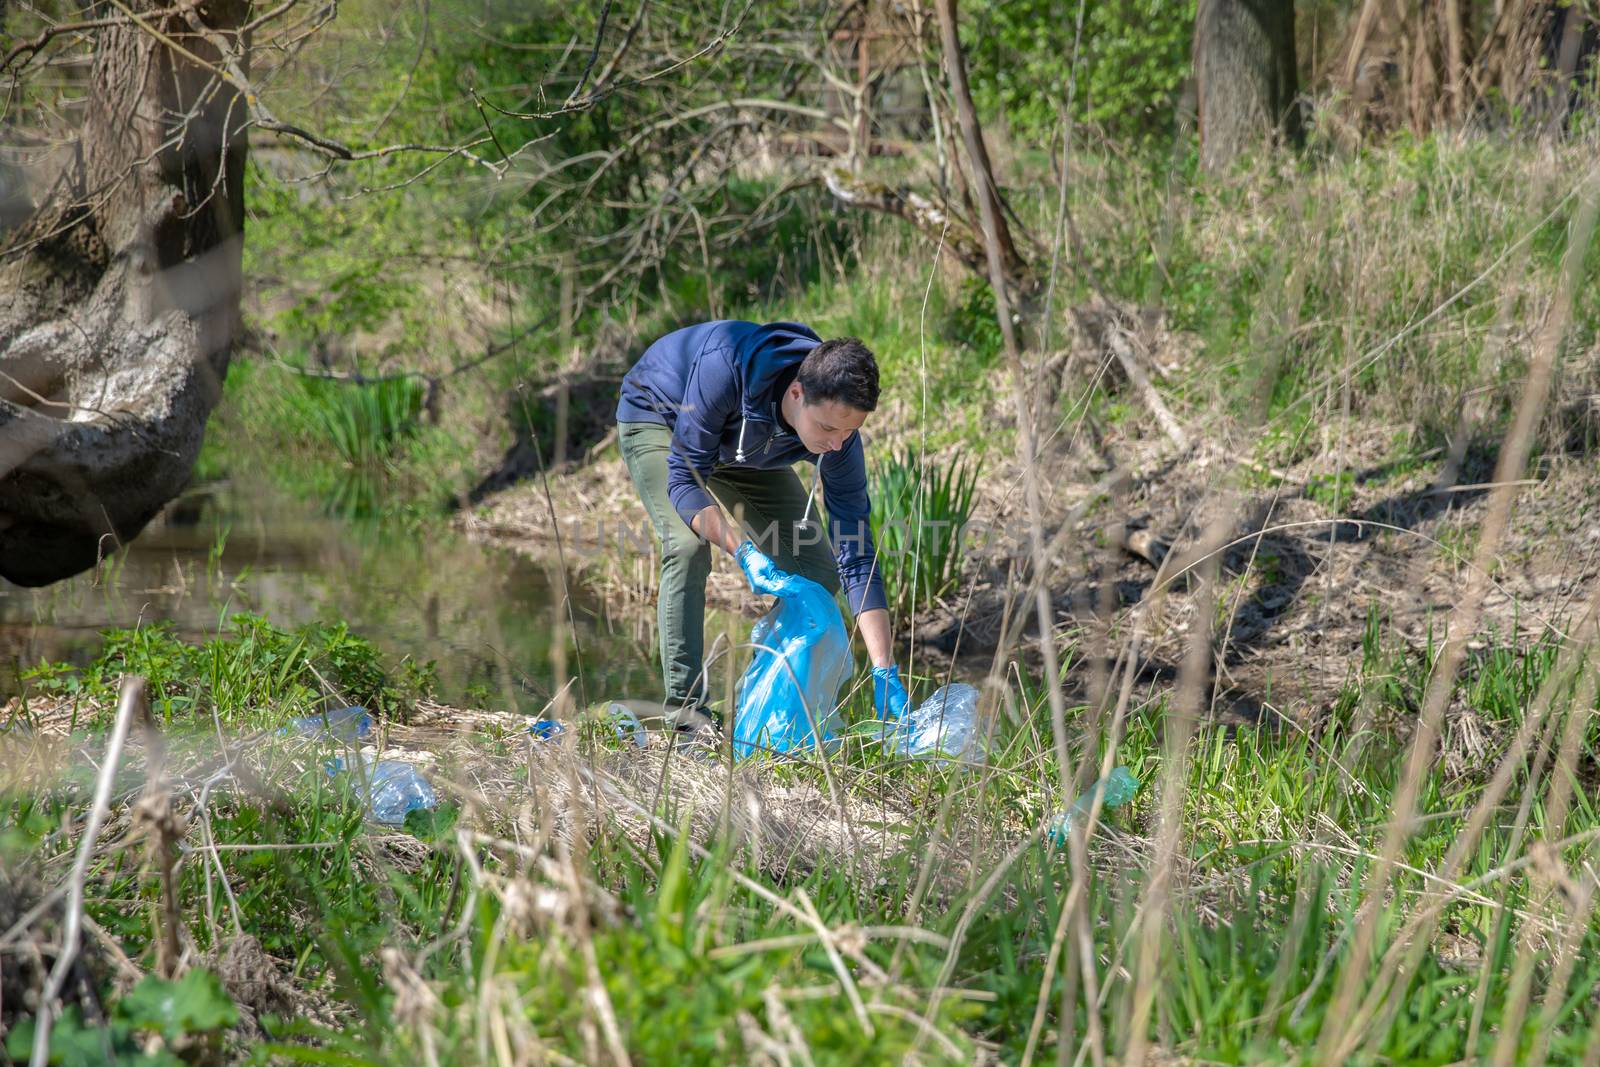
720,412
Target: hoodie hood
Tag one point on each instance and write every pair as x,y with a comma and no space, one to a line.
762,355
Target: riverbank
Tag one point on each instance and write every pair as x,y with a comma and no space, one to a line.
1312,559
1331,354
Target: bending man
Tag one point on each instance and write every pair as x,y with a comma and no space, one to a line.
720,412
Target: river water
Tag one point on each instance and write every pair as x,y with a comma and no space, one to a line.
484,614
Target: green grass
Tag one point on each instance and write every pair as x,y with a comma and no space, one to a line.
360,450
920,510
700,953
362,423
252,673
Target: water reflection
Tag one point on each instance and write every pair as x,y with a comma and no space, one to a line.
485,615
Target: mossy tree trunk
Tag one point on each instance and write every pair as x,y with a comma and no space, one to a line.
121,280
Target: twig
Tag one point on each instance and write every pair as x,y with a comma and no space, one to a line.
33,45
604,77
594,54
129,700
601,93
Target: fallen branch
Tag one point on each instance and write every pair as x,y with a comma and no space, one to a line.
1116,339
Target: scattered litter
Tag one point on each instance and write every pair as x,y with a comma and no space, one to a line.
394,790
788,698
399,788
627,724
942,728
1114,790
344,724
623,721
944,725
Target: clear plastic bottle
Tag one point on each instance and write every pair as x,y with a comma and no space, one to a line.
1114,790
394,788
343,724
397,789
627,724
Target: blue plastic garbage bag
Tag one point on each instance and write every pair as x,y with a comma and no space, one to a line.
945,726
788,698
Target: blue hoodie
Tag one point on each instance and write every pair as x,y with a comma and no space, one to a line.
715,385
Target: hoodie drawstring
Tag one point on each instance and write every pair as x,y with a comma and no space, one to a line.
811,497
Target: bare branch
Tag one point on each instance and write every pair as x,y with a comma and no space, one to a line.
33,45
604,77
600,94
929,218
594,53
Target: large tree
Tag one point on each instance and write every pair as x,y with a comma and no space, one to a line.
120,271
1245,78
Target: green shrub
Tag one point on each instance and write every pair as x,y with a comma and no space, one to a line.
1133,58
920,514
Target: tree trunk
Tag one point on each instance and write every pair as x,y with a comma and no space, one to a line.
122,295
1245,75
977,151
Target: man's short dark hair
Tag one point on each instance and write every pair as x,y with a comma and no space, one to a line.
843,370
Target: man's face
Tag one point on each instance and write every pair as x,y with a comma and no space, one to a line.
822,427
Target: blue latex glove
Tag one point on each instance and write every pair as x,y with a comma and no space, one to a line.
762,574
889,694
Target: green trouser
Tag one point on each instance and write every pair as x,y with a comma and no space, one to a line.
769,504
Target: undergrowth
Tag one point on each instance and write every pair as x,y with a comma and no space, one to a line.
433,943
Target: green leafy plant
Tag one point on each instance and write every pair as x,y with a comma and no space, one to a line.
252,670
188,1014
362,423
345,441
1133,57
